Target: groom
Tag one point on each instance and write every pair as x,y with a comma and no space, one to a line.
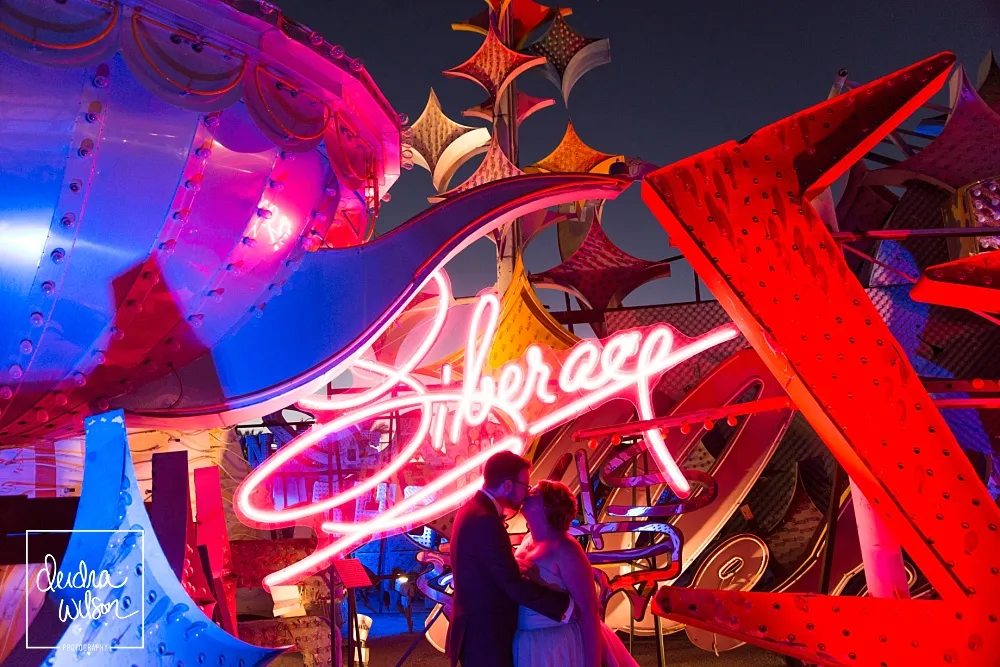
488,582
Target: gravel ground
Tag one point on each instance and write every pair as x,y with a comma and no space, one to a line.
389,641
386,652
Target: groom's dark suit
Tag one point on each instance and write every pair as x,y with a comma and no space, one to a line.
488,589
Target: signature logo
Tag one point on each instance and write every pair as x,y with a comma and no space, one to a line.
89,596
531,395
84,579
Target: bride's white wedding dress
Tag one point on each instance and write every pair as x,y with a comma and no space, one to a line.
542,642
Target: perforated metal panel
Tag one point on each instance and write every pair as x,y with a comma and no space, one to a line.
741,215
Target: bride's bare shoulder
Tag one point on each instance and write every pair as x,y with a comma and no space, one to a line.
569,547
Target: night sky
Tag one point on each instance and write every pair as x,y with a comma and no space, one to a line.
684,76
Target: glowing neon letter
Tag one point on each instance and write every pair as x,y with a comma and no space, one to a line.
627,365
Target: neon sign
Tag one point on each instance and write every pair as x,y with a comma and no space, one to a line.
627,365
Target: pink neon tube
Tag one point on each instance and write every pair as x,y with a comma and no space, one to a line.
626,366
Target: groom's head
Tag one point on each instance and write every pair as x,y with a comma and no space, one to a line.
506,478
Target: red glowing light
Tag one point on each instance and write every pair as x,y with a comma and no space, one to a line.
625,366
741,213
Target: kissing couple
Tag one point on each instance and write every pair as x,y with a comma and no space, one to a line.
537,607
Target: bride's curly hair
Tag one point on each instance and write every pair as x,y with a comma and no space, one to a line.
559,503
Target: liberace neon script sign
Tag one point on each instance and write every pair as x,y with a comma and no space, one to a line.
627,365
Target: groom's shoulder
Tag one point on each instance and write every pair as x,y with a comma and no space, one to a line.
473,509
472,505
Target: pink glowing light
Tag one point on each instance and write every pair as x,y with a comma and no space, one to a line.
401,373
626,366
270,225
396,517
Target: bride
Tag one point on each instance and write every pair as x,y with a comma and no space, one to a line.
552,557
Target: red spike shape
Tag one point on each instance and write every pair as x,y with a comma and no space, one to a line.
972,283
741,215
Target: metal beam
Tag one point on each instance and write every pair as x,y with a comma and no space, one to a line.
750,407
903,234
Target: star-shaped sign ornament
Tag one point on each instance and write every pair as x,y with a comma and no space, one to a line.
741,214
494,66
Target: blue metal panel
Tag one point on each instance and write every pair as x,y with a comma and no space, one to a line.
289,194
133,250
342,297
34,141
173,630
231,188
144,146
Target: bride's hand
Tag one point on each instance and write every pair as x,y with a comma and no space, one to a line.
528,569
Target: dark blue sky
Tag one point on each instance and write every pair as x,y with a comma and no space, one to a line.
685,76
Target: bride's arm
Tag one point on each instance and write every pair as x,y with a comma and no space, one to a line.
522,548
578,576
528,568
